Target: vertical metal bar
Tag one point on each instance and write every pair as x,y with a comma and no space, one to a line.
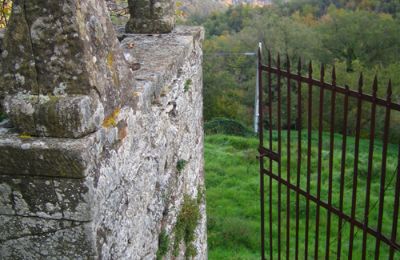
270,160
299,126
261,140
319,174
355,173
383,176
309,126
370,164
256,100
289,119
343,169
331,146
396,207
279,152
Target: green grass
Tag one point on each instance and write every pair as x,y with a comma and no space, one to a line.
232,182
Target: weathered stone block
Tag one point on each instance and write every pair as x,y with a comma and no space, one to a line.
23,155
67,199
60,240
55,116
151,16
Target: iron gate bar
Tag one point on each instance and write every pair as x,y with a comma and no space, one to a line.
338,89
310,72
270,147
383,176
319,170
355,172
334,210
369,173
299,126
343,170
288,111
269,154
279,152
261,158
396,208
331,146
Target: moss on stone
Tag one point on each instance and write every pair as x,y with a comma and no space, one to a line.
3,116
185,227
163,245
180,165
200,194
188,83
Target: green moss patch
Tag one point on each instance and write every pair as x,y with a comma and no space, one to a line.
180,165
188,83
163,245
186,224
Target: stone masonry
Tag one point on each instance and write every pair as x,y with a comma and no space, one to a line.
104,142
151,16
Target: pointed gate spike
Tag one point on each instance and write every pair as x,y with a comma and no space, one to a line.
360,82
279,61
288,62
334,75
269,57
322,72
389,90
310,69
375,86
299,67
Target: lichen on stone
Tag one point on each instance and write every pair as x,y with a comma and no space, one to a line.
111,120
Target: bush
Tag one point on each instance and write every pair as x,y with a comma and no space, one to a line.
226,126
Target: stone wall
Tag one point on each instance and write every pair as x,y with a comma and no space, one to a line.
123,188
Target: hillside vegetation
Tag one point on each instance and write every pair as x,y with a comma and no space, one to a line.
325,32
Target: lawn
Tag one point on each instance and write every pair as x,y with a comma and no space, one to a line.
232,182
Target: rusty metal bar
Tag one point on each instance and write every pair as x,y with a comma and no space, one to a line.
319,167
383,176
355,172
369,173
396,207
342,171
289,119
261,140
331,146
270,161
309,132
299,126
279,114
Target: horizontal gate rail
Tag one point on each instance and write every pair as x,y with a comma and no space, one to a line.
338,89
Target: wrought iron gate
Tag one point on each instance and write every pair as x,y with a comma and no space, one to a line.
319,198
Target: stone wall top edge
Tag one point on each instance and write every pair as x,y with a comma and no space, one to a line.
156,58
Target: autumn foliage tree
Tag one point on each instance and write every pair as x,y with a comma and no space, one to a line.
5,11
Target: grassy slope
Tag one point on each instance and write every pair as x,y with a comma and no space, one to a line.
233,195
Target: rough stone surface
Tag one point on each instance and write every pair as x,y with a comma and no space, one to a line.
109,194
151,16
55,52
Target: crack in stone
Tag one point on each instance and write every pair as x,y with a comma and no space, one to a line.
40,234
